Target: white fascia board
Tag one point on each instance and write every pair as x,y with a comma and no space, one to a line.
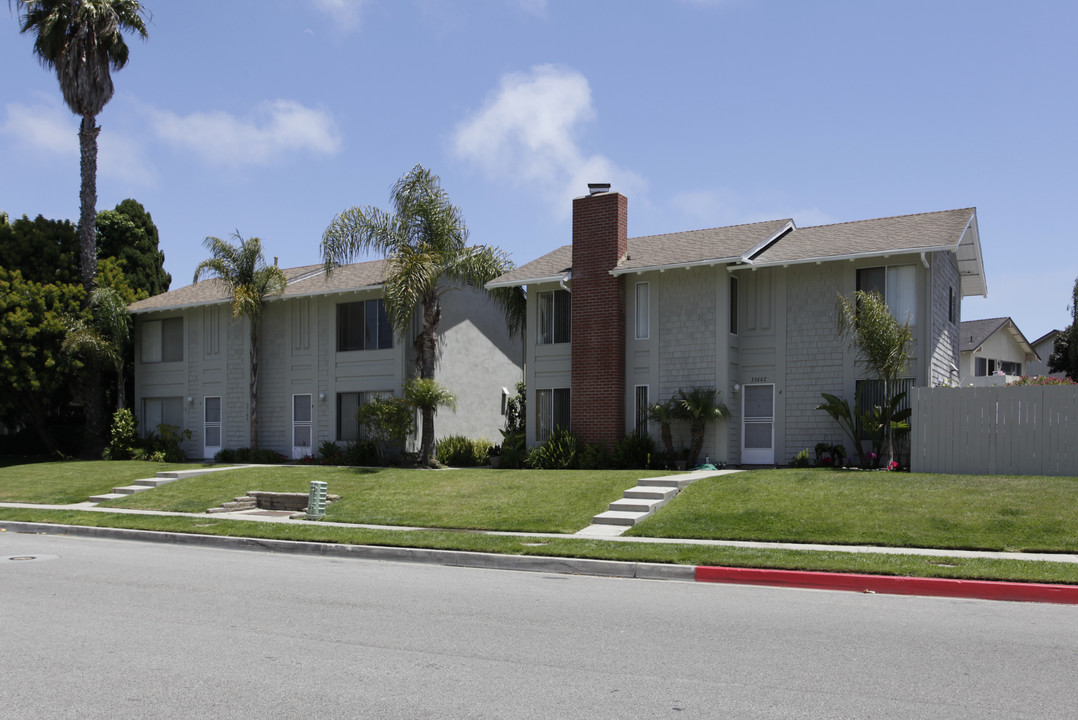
767,242
850,256
563,277
182,306
674,266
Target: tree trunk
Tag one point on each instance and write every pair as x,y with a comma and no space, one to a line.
88,133
426,346
94,440
254,383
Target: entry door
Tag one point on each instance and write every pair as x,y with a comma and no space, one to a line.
211,444
758,425
301,426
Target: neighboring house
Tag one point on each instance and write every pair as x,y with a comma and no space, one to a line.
1043,346
994,352
616,323
327,348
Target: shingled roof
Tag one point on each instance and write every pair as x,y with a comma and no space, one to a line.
973,333
780,242
301,281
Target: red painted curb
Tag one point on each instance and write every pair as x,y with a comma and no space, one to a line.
933,587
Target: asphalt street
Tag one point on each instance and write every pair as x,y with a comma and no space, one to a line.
96,628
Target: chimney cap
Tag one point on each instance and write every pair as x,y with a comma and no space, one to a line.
594,188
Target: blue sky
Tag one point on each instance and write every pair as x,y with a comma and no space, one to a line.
271,116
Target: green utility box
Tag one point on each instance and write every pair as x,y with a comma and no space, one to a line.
316,500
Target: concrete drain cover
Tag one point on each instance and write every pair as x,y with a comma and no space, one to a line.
25,558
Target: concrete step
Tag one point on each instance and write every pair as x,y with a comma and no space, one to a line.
153,482
107,496
617,517
651,492
130,489
637,505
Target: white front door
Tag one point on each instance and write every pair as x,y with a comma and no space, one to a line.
211,437
758,425
301,426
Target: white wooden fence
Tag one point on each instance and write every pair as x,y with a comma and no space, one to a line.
1027,430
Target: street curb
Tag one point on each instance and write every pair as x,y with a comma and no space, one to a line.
884,584
453,558
927,587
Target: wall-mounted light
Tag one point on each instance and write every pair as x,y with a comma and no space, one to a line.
321,396
737,388
190,400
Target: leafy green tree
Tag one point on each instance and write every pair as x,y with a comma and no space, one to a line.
388,422
34,372
242,267
43,251
1064,357
105,336
882,344
424,239
427,395
128,234
82,41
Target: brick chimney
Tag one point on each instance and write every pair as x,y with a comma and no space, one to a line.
600,232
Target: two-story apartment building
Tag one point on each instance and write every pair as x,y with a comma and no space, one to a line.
616,323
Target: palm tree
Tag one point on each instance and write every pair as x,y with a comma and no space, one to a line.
107,337
82,40
663,413
699,406
250,281
427,395
882,344
424,239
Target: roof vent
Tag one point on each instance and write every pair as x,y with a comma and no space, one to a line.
594,188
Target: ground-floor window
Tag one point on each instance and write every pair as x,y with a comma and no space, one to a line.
552,411
161,411
348,404
986,366
641,410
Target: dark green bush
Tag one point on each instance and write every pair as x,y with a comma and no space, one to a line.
361,452
557,453
329,453
635,451
459,451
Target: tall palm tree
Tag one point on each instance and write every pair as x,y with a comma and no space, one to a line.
699,406
425,240
82,40
106,337
250,281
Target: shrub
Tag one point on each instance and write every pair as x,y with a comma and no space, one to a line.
123,436
265,456
329,453
514,450
635,451
360,452
516,411
460,451
557,453
801,460
388,421
593,456
1040,380
166,442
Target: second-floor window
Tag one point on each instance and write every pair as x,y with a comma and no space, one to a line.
363,325
162,340
898,286
555,317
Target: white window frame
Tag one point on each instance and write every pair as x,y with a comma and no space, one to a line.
546,323
209,450
543,429
643,311
300,450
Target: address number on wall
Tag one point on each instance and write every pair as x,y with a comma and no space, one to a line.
762,378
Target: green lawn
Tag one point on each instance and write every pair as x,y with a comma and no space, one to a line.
876,508
64,482
681,554
474,498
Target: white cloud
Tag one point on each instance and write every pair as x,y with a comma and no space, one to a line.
276,128
527,133
49,127
532,7
44,126
345,14
717,207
